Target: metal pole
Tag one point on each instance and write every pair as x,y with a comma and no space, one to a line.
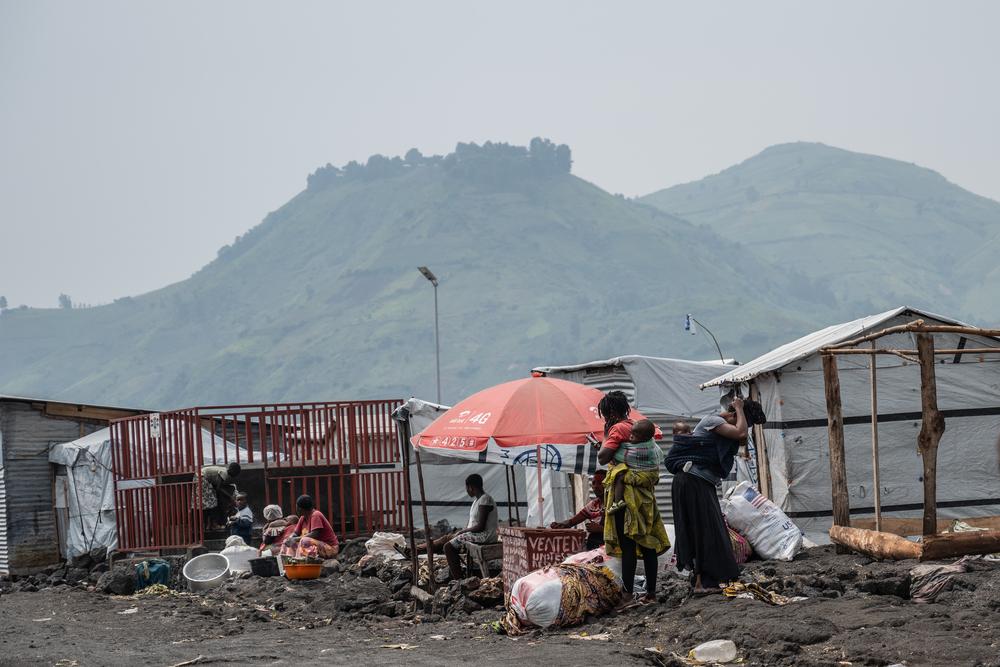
404,430
437,344
875,467
717,348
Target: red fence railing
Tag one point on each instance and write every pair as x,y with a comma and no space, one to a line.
344,454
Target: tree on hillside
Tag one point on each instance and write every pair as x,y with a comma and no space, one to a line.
65,301
3,303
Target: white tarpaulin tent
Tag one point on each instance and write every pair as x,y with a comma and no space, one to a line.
90,488
444,475
790,382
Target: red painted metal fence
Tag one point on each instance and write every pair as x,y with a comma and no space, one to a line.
344,454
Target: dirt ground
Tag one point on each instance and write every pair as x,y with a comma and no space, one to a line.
857,612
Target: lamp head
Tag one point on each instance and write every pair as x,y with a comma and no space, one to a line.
428,274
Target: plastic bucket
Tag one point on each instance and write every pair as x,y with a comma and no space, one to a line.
303,570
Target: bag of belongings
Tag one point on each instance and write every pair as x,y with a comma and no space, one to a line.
560,596
769,530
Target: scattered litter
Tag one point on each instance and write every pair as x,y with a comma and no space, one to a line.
929,581
438,638
189,662
133,610
157,589
757,592
402,647
718,650
600,637
39,620
65,662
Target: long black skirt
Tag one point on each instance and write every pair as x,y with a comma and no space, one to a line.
701,540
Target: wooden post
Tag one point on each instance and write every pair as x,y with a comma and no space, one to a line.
427,526
404,427
931,429
875,468
760,444
835,429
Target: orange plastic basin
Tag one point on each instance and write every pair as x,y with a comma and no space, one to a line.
303,570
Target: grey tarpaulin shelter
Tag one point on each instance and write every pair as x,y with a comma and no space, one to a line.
794,454
664,390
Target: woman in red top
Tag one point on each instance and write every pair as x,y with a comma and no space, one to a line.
629,537
313,536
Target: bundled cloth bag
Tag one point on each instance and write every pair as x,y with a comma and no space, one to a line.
560,596
239,554
769,530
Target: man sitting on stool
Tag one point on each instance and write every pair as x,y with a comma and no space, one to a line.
482,528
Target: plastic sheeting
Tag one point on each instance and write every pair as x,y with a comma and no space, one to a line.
662,386
798,452
91,488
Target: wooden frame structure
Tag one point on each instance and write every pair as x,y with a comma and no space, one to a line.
880,543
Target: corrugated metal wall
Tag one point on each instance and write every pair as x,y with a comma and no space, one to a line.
610,378
29,524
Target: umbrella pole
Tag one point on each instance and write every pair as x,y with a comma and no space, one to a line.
541,499
517,504
506,476
427,527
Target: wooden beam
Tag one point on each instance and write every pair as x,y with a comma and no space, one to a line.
874,544
920,327
931,429
890,350
835,430
875,468
904,526
949,545
88,412
760,443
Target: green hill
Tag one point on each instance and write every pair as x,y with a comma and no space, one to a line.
323,300
878,232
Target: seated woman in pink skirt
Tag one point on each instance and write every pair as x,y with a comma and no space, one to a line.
313,536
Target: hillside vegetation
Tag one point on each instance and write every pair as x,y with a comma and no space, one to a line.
323,300
877,232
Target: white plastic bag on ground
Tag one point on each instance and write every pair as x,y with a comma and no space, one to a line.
536,597
769,530
239,554
381,544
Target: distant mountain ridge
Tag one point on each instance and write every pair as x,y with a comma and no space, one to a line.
878,232
322,300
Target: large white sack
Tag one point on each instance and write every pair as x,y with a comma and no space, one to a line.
769,530
536,597
382,544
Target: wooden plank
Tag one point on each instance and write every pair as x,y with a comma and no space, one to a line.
873,543
875,467
931,429
950,545
760,443
87,412
914,525
890,350
835,430
917,326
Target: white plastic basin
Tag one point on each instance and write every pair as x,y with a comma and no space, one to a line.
205,572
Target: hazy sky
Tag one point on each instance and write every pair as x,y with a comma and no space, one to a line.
136,138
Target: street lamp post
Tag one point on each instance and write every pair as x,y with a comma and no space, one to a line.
427,273
689,327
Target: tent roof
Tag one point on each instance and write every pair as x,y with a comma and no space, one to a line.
625,359
812,343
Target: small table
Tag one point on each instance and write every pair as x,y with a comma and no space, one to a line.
528,549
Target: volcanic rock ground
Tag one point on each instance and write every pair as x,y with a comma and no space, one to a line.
858,612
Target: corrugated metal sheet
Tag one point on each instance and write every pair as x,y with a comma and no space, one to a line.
4,561
610,378
30,522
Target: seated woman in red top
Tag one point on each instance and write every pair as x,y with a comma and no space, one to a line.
313,536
